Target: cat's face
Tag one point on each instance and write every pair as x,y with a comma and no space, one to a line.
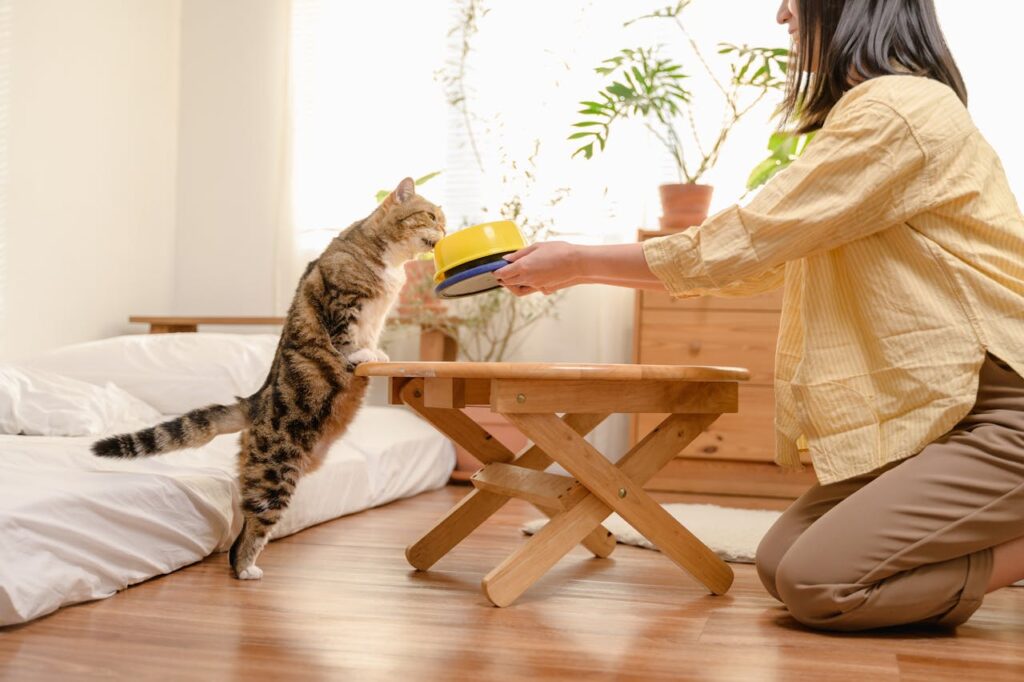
409,223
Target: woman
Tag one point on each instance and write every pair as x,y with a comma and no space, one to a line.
901,348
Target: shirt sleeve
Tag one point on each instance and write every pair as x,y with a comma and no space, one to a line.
863,173
769,280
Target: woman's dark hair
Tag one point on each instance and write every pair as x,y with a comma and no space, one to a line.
849,41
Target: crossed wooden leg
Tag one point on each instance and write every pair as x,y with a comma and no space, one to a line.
477,506
612,488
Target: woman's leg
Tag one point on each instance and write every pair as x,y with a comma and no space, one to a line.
915,544
1007,564
797,518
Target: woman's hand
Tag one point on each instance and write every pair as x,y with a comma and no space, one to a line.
549,266
545,267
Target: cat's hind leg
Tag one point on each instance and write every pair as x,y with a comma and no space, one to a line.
268,476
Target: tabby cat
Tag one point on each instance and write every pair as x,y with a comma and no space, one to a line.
311,393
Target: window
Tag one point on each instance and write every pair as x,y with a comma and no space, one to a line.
368,110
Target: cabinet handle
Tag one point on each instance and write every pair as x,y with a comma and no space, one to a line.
694,347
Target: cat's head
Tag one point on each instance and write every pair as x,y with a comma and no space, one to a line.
408,222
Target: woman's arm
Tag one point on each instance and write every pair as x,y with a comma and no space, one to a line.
555,265
863,173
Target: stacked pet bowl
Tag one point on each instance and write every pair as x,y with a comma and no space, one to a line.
465,261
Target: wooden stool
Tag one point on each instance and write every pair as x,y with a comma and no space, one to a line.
532,396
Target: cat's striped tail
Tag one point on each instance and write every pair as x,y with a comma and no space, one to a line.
190,430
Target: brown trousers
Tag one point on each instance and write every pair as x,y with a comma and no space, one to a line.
911,542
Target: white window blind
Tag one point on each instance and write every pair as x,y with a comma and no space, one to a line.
366,109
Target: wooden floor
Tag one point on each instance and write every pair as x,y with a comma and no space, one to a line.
339,602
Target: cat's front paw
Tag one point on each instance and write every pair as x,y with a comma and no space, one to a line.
362,355
381,356
253,572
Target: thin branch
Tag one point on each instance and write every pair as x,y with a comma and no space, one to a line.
700,56
674,148
467,27
753,104
693,130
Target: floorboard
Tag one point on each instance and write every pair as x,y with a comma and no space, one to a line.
339,602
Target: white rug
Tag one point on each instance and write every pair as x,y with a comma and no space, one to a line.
732,534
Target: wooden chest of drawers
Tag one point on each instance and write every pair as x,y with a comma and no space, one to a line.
734,456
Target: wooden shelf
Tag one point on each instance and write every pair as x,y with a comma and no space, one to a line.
183,323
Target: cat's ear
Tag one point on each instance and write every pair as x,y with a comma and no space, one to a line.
405,191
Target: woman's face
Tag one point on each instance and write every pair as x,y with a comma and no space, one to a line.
787,15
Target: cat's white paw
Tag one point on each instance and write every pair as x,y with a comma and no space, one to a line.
381,356
363,355
254,572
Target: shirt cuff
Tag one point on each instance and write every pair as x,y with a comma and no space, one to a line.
676,261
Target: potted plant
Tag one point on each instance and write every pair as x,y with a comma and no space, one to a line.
647,86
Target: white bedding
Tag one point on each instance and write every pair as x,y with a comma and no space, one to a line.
74,527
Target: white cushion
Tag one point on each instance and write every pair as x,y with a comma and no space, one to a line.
37,403
172,372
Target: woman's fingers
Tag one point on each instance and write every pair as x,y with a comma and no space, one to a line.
505,273
521,290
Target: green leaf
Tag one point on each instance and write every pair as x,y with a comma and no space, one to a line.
425,178
586,150
762,173
620,90
639,78
777,140
743,71
576,136
804,141
586,124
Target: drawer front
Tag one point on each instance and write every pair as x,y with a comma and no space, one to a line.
748,435
658,300
759,479
729,338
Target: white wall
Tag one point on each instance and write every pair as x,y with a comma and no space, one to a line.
90,221
983,36
231,155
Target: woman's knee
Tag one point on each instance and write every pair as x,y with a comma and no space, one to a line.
772,548
815,598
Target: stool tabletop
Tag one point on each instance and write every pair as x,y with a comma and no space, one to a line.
552,371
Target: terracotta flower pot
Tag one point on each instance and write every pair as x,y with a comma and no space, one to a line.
503,431
684,206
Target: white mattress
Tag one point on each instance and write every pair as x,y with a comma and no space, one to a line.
74,527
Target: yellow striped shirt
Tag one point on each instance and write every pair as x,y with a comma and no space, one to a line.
901,249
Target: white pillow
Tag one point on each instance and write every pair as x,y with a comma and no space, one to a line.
172,372
36,403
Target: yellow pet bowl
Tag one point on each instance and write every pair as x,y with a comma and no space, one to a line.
465,261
